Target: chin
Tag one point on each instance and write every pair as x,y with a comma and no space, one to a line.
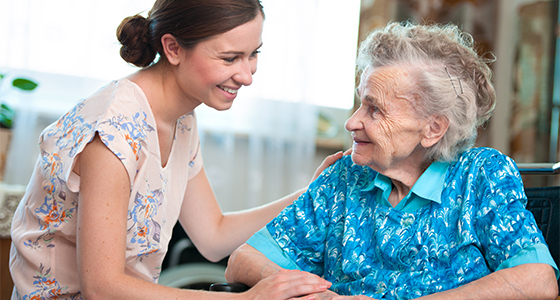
356,159
364,161
222,106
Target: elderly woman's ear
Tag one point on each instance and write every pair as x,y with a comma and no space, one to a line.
434,130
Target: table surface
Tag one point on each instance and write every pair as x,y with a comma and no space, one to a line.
10,195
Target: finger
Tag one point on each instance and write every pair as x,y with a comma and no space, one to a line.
295,289
301,278
327,295
329,160
308,297
300,283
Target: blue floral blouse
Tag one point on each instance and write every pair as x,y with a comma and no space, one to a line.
338,230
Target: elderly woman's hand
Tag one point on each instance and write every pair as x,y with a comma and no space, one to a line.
330,295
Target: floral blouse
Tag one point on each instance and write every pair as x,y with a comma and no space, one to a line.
338,230
43,257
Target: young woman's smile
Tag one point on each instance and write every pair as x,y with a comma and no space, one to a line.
213,72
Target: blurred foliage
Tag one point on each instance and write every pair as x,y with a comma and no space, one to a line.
7,113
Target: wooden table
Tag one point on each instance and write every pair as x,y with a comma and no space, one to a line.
10,195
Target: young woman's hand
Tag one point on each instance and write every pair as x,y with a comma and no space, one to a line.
287,284
329,160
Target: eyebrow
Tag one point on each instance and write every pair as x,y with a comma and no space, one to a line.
240,52
370,99
373,101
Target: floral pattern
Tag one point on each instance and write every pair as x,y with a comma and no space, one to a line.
146,230
339,231
48,287
121,116
134,131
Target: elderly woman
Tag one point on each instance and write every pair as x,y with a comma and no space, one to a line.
416,211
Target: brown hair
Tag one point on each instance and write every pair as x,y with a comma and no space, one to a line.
189,21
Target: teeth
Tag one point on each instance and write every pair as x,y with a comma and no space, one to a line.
231,91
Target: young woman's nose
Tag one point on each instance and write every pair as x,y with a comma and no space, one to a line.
244,74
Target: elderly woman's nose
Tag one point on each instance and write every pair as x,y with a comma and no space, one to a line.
353,123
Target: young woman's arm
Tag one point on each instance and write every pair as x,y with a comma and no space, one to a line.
101,239
215,234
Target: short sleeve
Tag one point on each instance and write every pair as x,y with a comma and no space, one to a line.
298,230
537,253
504,227
263,242
301,230
124,134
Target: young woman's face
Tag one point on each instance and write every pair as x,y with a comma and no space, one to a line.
215,70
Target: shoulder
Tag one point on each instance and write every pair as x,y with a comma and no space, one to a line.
118,112
344,176
480,153
187,124
345,169
484,170
488,159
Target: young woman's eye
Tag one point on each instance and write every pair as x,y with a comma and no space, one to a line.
230,59
255,53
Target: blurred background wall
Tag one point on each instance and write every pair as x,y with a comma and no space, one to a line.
523,34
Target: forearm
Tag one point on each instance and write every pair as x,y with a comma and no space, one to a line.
250,221
126,287
216,234
528,281
248,266
253,219
235,228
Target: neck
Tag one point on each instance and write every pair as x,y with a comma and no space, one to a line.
403,180
166,99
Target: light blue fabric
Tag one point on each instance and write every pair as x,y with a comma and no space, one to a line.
339,230
427,188
263,241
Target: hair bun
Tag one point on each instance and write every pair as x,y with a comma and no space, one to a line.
133,35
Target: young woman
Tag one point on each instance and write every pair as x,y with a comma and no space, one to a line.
118,170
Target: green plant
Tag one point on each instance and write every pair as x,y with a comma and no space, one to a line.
6,112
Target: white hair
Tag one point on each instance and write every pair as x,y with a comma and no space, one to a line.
450,79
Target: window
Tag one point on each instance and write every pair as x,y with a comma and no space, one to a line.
308,53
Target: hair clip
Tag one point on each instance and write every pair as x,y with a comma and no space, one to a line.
453,84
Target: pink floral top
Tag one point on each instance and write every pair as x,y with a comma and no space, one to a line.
43,256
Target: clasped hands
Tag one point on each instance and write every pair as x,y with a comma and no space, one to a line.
294,285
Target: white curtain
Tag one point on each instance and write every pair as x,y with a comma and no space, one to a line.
261,149
258,151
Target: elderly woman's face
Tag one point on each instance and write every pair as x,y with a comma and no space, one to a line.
386,130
